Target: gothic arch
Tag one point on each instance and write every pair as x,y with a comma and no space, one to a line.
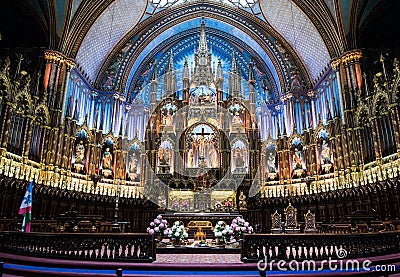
87,131
248,24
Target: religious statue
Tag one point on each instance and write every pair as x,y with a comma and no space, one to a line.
79,152
242,201
202,145
213,158
133,165
190,158
326,153
164,156
167,119
296,81
297,159
239,159
200,235
167,156
236,119
271,163
107,158
161,201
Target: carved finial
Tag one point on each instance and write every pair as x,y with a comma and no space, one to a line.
251,72
85,122
154,73
74,117
68,114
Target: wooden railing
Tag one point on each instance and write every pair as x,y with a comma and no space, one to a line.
100,247
287,247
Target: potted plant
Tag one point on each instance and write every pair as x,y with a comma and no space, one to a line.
222,232
228,205
239,227
177,233
158,227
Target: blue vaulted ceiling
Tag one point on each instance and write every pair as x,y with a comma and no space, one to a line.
222,38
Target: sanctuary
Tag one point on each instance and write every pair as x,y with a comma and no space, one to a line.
259,129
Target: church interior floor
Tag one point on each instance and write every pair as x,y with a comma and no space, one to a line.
196,258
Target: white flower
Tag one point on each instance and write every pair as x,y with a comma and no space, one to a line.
177,234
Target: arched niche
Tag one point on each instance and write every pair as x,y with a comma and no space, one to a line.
298,164
239,156
107,157
134,161
270,161
79,159
165,156
202,143
325,154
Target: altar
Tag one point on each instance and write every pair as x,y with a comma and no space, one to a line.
200,201
193,220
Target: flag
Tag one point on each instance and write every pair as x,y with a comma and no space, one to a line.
26,209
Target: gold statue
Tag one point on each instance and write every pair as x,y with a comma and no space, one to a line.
200,235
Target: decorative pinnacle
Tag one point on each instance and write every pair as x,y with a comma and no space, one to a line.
203,48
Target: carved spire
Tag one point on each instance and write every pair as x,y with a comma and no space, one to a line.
234,79
220,73
185,74
170,78
171,62
251,73
284,128
234,63
154,73
68,110
75,116
95,119
203,48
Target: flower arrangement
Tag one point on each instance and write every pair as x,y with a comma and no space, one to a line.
222,231
175,205
228,204
185,204
177,232
158,227
239,227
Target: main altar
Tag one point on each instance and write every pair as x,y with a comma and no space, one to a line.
202,201
193,217
198,139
